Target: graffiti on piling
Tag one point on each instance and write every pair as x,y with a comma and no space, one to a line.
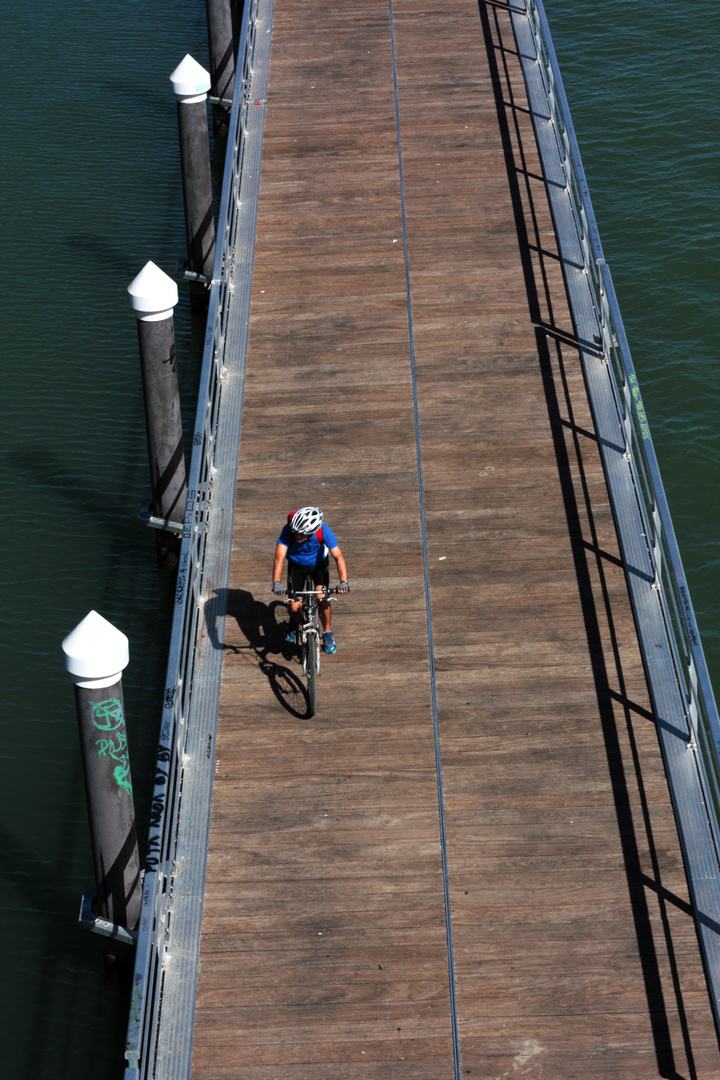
107,717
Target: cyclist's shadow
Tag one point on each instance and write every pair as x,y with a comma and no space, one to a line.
264,626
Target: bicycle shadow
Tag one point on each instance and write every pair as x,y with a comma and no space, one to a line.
264,627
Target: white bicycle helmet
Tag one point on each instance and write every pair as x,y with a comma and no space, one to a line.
307,520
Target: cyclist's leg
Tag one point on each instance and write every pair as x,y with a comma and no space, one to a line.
321,576
295,583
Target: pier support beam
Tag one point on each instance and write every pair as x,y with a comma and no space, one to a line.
222,59
191,83
96,654
153,295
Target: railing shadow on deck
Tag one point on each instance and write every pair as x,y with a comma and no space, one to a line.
610,684
264,627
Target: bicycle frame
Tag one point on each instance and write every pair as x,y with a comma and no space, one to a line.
309,626
309,634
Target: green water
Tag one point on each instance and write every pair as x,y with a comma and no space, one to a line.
91,190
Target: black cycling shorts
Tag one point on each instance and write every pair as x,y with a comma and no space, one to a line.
297,574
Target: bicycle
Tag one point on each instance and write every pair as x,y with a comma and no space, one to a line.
309,635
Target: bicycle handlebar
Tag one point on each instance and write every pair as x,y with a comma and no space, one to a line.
313,592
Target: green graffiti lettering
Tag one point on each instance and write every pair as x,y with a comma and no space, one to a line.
108,717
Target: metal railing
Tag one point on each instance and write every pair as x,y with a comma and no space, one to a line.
658,535
188,620
664,552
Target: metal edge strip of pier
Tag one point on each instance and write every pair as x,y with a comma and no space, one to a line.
159,1040
679,686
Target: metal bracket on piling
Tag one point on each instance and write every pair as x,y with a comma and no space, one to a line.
158,522
90,921
227,102
184,274
132,1072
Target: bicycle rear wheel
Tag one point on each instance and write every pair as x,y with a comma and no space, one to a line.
311,646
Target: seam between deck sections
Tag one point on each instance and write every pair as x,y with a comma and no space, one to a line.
426,578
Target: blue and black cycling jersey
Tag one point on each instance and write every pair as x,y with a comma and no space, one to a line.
308,552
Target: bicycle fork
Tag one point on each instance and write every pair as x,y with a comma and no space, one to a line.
307,630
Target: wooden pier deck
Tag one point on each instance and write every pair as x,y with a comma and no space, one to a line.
568,948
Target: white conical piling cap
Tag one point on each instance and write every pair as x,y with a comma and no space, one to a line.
190,81
96,651
153,294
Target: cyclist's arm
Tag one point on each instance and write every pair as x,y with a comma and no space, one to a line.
340,561
280,553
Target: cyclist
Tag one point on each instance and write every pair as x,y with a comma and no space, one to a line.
305,541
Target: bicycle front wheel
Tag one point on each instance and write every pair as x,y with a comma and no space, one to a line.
312,673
